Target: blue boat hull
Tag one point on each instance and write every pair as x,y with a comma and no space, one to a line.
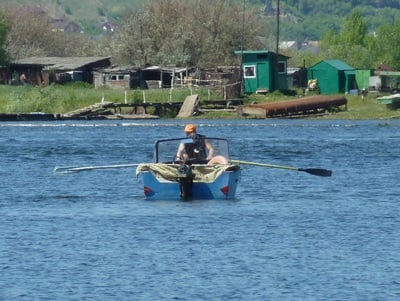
222,187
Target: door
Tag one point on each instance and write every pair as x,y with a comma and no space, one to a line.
263,76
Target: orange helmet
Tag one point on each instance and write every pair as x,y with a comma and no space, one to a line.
190,128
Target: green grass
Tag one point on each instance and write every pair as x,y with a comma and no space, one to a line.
357,108
56,99
368,108
62,99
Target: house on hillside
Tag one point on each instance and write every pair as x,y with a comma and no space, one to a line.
108,27
65,25
310,46
333,76
289,45
263,71
47,70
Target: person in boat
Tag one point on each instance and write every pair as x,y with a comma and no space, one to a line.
198,150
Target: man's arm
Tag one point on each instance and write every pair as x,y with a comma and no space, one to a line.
210,149
179,154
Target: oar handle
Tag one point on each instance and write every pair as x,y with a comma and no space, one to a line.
71,169
265,165
313,171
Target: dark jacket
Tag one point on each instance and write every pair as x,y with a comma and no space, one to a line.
196,151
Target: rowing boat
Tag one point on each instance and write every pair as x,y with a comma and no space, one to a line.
390,100
169,178
193,177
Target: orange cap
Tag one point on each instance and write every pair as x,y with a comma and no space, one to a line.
190,128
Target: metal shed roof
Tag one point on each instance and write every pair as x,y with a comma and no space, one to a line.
337,64
264,51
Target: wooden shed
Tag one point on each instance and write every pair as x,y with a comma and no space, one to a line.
144,77
333,76
119,77
45,70
263,71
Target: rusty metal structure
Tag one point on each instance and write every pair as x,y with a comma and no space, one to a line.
299,107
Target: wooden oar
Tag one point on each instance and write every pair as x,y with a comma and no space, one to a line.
70,169
313,171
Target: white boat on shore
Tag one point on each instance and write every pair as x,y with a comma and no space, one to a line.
392,100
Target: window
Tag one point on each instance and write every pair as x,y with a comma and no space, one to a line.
282,67
249,71
115,77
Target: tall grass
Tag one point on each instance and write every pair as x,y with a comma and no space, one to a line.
62,99
57,99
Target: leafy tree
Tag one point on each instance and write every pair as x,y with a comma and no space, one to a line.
3,35
173,32
354,29
30,34
387,44
350,44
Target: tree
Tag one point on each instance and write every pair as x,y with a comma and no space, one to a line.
350,44
387,44
354,29
30,34
3,36
173,32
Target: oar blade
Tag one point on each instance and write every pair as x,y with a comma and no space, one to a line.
65,169
317,171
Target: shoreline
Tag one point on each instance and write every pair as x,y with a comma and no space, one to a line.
38,116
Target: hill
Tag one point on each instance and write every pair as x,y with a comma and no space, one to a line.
300,19
89,10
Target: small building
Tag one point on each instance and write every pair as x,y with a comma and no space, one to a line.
146,77
263,71
114,77
333,76
385,81
46,70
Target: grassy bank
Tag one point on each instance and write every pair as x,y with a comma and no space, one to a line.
62,99
357,108
57,99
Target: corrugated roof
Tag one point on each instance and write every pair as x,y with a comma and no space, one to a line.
119,69
59,63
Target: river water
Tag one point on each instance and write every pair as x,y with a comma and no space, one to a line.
288,235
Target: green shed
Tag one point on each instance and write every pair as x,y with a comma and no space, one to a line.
263,71
333,76
362,78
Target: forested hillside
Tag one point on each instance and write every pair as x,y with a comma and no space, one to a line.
312,18
200,32
301,19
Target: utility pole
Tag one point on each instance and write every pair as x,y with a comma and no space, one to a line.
241,49
277,27
277,46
